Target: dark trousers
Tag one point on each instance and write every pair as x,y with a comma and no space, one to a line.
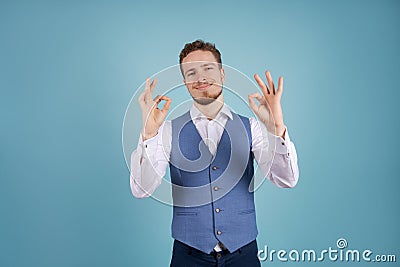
184,255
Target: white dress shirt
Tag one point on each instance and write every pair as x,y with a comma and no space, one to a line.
150,159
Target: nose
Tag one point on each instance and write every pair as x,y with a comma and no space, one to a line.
201,77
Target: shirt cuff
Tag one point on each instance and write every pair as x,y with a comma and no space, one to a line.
282,145
149,146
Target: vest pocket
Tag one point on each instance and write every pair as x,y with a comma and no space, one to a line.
186,213
249,211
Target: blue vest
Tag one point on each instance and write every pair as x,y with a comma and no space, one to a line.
211,195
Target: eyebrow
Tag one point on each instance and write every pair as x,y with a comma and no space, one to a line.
203,65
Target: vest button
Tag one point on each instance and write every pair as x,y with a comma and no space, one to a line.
219,232
216,188
217,210
214,167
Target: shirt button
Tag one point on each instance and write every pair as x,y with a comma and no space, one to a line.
218,255
219,232
283,143
217,210
216,188
214,167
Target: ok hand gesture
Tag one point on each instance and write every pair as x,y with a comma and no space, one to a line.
152,116
269,111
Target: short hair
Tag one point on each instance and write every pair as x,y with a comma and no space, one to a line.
200,45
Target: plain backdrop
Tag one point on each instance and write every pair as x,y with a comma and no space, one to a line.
68,70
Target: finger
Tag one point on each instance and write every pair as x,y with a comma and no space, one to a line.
156,99
260,98
261,84
253,104
256,95
142,95
147,86
141,98
160,98
270,81
147,95
167,104
280,85
152,85
253,95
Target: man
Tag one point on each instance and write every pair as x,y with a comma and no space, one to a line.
216,226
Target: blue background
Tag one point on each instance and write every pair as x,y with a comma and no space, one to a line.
69,69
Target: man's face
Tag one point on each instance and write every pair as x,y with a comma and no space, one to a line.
203,76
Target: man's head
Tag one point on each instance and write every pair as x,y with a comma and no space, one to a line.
202,71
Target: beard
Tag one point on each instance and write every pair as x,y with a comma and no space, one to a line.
207,97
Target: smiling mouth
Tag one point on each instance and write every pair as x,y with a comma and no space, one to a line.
203,86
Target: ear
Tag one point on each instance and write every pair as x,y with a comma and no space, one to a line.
222,75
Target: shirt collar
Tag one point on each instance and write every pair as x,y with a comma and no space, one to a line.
195,113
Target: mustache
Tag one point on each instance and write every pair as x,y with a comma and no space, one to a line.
203,83
207,82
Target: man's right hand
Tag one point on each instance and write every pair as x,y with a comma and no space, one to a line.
152,116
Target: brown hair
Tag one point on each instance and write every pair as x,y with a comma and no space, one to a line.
200,45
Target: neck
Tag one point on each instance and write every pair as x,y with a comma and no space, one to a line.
211,110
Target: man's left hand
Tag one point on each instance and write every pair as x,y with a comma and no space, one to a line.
269,111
